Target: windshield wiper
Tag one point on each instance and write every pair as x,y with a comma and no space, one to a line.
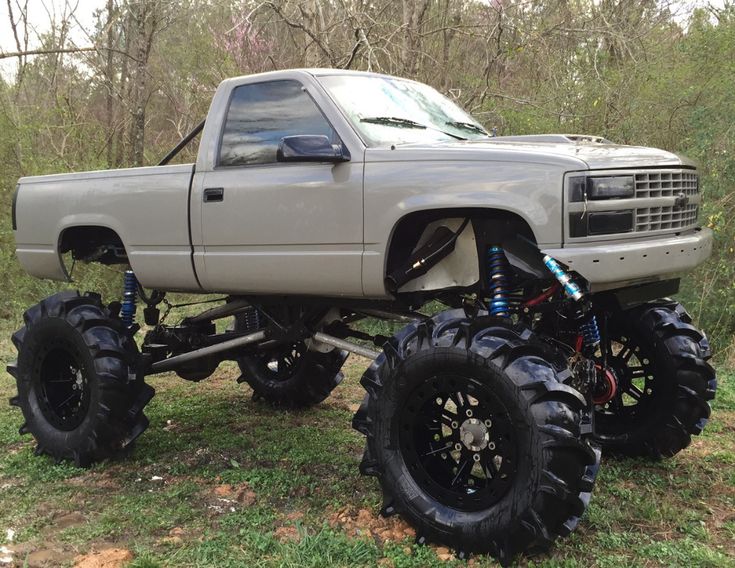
405,123
467,126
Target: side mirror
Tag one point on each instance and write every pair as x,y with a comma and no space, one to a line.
310,148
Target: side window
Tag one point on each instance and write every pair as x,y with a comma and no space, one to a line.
261,114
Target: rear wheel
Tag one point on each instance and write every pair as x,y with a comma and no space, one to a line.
78,386
664,382
474,437
290,375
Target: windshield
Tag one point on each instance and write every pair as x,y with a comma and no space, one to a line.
386,110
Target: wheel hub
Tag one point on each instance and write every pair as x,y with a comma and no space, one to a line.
474,435
63,390
459,441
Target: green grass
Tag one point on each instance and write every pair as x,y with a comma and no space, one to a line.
208,441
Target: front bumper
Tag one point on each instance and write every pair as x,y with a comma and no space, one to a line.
614,264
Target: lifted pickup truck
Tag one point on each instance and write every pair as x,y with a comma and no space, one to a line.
323,197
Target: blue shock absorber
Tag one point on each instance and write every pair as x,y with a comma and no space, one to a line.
589,329
564,279
590,332
130,294
498,269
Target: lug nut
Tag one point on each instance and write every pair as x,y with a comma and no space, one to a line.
476,457
488,423
457,446
469,413
455,424
491,445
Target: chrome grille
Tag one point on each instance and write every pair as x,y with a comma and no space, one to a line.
660,218
665,184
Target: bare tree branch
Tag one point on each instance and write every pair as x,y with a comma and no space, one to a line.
54,51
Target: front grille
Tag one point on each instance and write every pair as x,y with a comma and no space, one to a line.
660,218
665,184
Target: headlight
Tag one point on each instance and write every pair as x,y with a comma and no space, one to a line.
606,187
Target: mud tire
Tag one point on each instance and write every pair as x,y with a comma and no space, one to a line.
308,383
555,465
74,333
683,383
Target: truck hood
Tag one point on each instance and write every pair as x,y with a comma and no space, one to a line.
576,155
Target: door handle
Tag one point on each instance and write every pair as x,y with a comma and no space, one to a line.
214,194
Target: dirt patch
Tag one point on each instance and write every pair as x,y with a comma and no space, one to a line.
99,480
228,498
365,523
105,558
241,494
175,537
223,490
68,520
443,553
287,534
24,555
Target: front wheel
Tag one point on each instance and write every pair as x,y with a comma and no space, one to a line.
664,382
474,437
78,386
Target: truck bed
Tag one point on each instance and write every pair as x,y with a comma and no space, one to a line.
147,207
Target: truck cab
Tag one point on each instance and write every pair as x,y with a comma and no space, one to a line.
243,219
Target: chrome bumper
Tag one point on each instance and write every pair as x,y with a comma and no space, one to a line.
615,263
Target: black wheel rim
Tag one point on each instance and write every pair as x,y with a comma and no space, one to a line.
283,363
637,387
458,441
62,386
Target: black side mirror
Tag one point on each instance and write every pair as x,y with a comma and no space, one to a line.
310,148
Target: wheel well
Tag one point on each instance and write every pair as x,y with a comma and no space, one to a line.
491,226
93,244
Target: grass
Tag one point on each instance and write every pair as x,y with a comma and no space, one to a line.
219,480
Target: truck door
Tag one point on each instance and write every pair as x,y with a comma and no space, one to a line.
269,227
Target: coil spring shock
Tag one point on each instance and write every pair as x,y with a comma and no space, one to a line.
588,322
498,269
130,294
590,332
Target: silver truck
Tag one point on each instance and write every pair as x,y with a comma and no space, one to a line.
531,274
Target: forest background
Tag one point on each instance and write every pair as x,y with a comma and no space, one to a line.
122,90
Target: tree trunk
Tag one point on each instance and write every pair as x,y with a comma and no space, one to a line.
124,95
109,83
138,129
413,17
